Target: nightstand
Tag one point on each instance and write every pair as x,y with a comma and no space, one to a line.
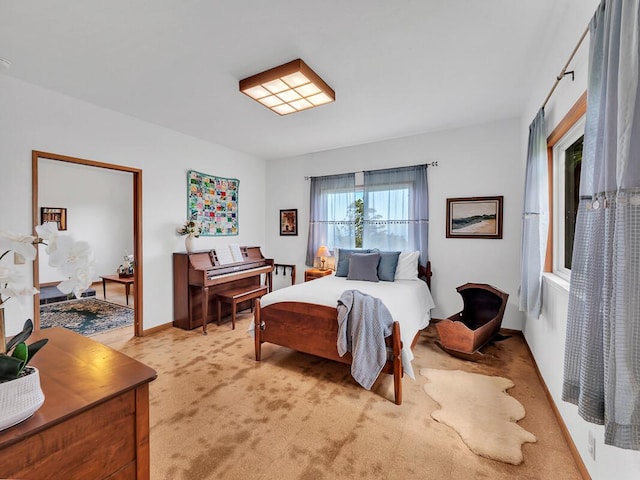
313,273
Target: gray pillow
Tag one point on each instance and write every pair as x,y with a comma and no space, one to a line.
387,266
363,266
342,268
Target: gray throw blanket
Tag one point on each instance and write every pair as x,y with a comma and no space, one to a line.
363,324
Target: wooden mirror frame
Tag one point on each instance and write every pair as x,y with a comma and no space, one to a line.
137,229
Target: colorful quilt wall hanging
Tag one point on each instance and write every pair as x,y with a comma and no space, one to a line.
213,201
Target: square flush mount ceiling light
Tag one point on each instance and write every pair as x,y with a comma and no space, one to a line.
289,88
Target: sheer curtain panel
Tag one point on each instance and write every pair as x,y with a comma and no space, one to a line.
602,356
331,215
535,219
396,202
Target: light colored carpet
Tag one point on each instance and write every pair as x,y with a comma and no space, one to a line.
216,413
481,411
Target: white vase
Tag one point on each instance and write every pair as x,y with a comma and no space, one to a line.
189,243
20,398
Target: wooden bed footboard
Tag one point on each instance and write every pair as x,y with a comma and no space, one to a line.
313,329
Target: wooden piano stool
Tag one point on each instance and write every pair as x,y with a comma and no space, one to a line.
234,297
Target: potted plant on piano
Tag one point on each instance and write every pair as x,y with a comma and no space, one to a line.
20,392
192,229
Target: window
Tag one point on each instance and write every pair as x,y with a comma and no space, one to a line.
565,160
385,209
377,219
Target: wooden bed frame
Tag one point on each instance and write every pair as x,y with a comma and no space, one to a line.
313,329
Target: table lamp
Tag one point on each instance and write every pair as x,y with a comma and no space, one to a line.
323,252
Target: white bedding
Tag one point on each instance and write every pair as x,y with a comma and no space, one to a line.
409,302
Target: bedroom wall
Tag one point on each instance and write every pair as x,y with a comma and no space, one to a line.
37,119
480,160
94,213
546,335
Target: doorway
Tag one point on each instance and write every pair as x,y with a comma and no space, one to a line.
136,200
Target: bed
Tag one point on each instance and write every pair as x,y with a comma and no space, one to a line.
303,317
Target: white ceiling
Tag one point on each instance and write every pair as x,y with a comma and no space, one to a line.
399,67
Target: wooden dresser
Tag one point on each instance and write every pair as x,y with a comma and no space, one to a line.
94,422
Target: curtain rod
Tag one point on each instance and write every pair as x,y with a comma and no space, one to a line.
564,72
430,164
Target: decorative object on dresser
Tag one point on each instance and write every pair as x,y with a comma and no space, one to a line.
198,277
213,202
313,273
474,217
20,392
466,332
20,397
289,222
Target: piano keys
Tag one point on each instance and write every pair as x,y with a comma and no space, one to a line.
198,276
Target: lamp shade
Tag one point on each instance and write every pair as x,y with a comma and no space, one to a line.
323,252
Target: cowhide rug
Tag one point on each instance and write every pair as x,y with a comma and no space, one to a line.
481,411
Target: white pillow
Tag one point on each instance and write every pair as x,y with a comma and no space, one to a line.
407,268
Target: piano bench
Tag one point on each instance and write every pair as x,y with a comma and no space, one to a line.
238,295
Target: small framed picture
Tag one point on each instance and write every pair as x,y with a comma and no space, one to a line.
289,222
474,217
57,215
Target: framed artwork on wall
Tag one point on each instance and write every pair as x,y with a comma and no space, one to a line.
474,217
57,215
289,222
213,201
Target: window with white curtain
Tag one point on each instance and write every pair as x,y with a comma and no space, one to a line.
386,215
384,209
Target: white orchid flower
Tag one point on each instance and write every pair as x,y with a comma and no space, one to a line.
69,255
73,259
48,230
21,244
10,275
18,292
79,281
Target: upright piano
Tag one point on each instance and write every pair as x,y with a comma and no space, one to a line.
198,276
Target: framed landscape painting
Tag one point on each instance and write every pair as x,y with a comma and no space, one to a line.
474,217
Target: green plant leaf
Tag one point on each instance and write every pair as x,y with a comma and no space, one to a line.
10,367
35,348
27,329
21,352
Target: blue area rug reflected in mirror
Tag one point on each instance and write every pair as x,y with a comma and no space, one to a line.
86,316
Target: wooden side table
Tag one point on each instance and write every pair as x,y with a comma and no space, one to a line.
313,273
126,281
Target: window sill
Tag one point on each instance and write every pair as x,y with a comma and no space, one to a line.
556,282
